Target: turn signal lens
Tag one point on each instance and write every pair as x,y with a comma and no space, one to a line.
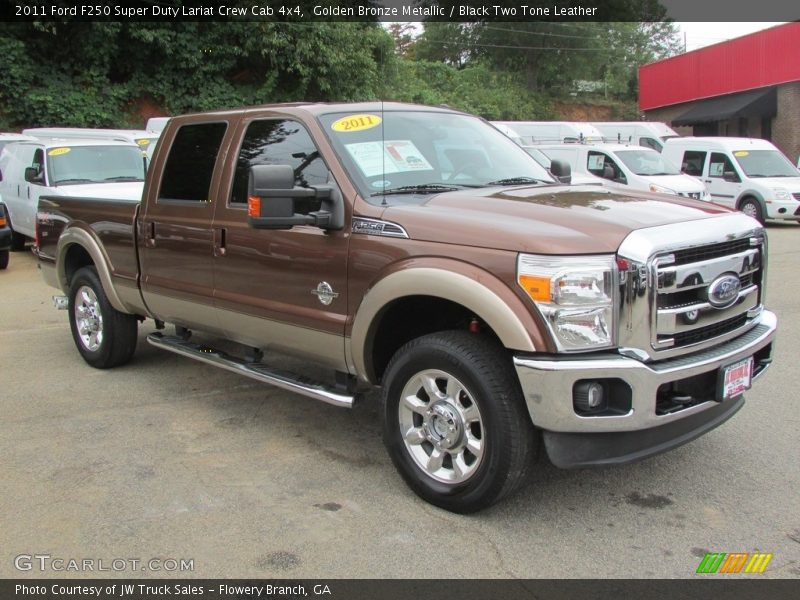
254,206
2,221
538,288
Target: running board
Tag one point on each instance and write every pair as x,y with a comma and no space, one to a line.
258,371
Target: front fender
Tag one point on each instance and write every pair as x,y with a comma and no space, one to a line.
478,291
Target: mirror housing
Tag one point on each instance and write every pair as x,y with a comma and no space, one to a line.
274,202
32,175
561,170
731,177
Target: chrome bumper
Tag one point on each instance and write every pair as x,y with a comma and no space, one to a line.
547,383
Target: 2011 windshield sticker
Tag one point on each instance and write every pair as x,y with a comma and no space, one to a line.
58,151
354,123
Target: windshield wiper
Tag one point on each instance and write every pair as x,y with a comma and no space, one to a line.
75,181
425,188
656,174
123,178
517,181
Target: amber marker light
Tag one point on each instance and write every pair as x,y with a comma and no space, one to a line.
538,288
253,206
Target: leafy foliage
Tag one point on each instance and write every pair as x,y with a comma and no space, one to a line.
66,73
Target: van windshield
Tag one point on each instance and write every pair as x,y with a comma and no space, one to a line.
408,152
647,162
765,163
75,165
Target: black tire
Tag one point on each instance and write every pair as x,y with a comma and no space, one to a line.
117,342
18,241
481,373
3,259
752,207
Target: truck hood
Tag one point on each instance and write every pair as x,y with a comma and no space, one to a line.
552,219
679,183
121,190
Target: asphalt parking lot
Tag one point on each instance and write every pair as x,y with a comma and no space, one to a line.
167,458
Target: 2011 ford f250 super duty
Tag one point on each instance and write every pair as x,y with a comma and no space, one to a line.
420,250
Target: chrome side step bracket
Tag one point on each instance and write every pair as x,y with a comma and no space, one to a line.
258,371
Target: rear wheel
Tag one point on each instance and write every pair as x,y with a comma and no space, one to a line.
752,208
455,423
3,259
104,336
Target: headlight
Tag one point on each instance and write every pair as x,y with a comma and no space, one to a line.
575,294
661,188
780,194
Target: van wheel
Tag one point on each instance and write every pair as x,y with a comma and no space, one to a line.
3,259
752,208
455,423
104,336
17,241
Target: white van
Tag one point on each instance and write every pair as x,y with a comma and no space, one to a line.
146,140
77,167
634,167
156,124
553,132
748,174
651,134
7,138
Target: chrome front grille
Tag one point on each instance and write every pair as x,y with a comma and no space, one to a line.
666,275
686,310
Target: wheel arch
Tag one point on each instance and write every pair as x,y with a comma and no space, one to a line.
467,289
77,248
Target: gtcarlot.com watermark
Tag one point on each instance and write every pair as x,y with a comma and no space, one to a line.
45,562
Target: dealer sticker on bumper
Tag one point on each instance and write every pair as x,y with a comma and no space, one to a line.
736,378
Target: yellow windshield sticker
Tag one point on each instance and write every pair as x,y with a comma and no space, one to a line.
741,153
58,151
356,123
143,142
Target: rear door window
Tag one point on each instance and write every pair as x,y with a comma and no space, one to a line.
190,164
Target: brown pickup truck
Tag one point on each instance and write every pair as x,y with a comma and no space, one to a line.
419,250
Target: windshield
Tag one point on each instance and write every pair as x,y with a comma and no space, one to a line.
647,162
426,152
70,165
539,156
765,163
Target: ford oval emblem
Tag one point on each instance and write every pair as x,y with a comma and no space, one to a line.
724,290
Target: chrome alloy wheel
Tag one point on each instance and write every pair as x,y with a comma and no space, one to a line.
88,318
441,426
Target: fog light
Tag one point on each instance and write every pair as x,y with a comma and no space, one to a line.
588,396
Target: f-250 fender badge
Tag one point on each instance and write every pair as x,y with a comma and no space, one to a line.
325,293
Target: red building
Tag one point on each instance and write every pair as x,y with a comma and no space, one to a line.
748,86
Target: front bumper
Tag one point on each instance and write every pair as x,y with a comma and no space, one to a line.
573,440
790,209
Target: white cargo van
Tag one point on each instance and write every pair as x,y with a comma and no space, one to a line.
748,174
146,140
553,132
651,134
76,167
634,167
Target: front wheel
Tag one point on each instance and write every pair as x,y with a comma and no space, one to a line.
104,336
3,259
752,208
455,422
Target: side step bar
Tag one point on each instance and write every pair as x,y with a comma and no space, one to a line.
257,371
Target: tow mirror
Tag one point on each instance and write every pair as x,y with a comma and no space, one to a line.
561,170
275,202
